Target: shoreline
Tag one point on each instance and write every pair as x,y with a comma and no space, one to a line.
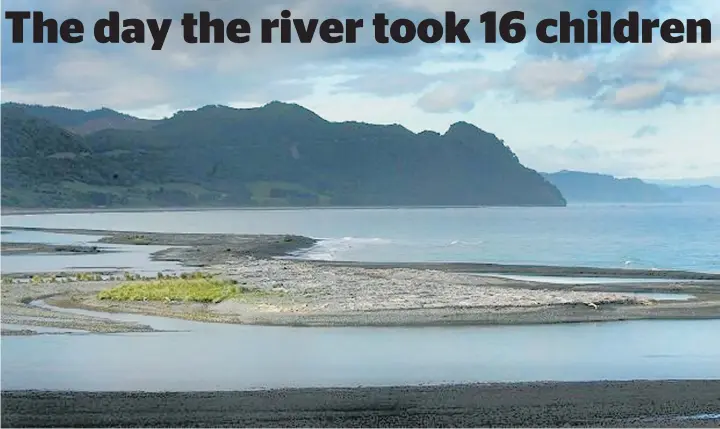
37,211
17,248
678,403
11,211
320,293
211,248
532,270
298,312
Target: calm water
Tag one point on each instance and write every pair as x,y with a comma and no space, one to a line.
639,236
129,258
229,357
567,280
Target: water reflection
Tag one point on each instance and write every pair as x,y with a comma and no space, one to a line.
230,357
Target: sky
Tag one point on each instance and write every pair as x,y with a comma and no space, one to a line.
650,111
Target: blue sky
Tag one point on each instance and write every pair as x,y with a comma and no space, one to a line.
630,110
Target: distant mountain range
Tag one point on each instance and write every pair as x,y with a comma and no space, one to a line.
702,181
276,155
579,186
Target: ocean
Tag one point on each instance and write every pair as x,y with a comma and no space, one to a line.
662,236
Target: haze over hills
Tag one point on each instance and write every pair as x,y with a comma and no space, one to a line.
702,181
276,155
701,193
577,186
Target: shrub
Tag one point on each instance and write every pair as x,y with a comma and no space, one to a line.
202,289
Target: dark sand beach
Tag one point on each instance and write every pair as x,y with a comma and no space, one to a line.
598,404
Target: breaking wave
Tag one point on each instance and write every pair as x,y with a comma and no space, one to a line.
331,249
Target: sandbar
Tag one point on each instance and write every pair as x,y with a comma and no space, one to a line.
316,293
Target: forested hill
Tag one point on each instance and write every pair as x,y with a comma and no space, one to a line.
579,186
276,155
81,121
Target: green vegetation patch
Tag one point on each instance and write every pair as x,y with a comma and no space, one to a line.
139,240
178,289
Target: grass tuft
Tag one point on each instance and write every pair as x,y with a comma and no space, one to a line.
178,289
139,240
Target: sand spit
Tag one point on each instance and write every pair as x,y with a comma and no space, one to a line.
305,293
34,248
346,289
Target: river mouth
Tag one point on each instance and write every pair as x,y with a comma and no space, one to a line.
187,371
181,355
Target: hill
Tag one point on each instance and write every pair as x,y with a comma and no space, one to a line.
39,157
579,186
276,155
84,122
687,183
701,194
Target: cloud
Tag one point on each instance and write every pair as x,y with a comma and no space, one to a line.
702,81
529,80
202,73
618,162
388,84
133,77
84,75
646,131
649,76
601,82
641,95
445,98
545,79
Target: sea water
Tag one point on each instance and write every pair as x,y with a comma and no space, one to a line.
662,236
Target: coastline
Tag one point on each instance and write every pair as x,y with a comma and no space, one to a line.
533,270
317,293
210,248
682,403
58,249
38,211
